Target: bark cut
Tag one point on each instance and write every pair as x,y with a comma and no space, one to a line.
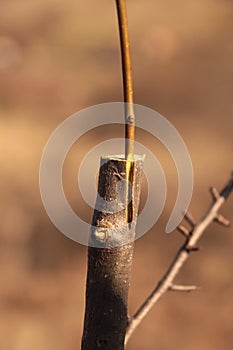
110,256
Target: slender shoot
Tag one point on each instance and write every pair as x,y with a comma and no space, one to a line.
127,79
128,99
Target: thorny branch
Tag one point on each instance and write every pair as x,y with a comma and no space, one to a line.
192,236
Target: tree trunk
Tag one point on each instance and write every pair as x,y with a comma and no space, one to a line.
110,255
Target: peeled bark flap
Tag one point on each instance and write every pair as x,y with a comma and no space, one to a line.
116,199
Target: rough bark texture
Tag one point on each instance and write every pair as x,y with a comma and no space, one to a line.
110,257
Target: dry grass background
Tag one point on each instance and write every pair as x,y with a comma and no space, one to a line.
57,57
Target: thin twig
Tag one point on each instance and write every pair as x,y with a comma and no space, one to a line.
183,230
128,99
190,220
127,79
182,255
222,221
179,288
214,193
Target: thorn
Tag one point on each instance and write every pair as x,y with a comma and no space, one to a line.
192,249
189,218
180,288
214,193
183,230
222,221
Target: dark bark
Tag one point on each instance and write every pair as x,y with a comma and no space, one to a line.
226,191
110,257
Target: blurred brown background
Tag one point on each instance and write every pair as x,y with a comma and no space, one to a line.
57,57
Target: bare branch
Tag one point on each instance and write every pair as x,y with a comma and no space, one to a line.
183,230
190,245
127,79
214,192
222,221
226,191
188,217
